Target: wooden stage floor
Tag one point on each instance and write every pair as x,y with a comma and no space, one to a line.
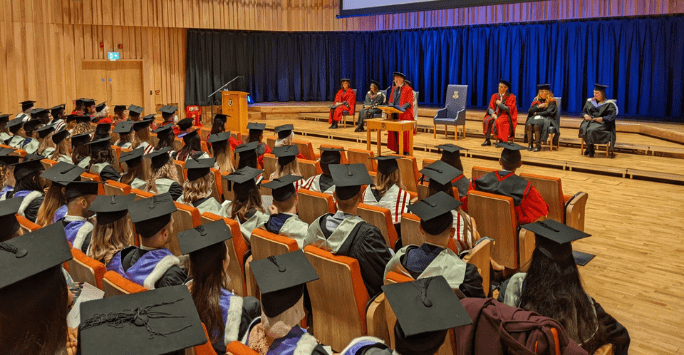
637,229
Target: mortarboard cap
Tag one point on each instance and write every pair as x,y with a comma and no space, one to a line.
7,158
88,102
507,83
101,106
219,137
110,209
123,127
377,83
38,112
286,154
544,87
70,118
30,164
8,220
33,253
345,79
184,124
45,130
168,110
247,150
63,173
163,131
223,118
283,188
80,139
435,212
553,238
199,168
154,322
203,236
441,173
132,158
148,117
4,118
57,109
281,280
27,102
140,125
120,108
511,152
190,136
80,188
79,102
600,87
426,309
135,110
450,148
387,164
103,128
331,155
242,181
15,125
151,214
399,74
408,83
284,131
253,126
82,119
60,135
32,125
100,144
159,157
348,179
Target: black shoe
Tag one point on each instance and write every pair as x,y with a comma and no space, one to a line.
538,148
333,126
486,143
530,147
358,129
591,154
587,151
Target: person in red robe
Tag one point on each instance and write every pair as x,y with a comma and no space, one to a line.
401,98
345,101
502,115
529,204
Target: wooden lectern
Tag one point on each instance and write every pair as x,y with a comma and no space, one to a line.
390,125
235,107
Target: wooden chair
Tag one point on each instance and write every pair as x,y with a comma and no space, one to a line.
409,172
605,350
117,155
551,190
140,194
427,162
94,178
26,225
423,190
362,156
114,284
205,147
178,144
343,154
339,280
114,188
184,218
381,218
553,134
180,169
574,210
479,171
217,191
237,348
607,145
270,163
85,269
237,248
306,149
228,195
265,244
47,163
270,141
480,256
314,204
309,168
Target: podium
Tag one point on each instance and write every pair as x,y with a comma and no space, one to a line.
390,125
234,105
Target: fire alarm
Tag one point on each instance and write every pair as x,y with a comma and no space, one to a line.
101,44
120,46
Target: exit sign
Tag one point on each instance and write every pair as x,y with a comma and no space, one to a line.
113,56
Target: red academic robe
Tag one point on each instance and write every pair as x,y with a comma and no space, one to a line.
350,97
506,122
405,97
529,204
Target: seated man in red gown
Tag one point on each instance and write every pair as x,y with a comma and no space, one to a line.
502,115
345,101
401,98
529,204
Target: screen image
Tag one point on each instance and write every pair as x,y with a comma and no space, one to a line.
370,7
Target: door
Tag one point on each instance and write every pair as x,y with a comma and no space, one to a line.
91,82
125,83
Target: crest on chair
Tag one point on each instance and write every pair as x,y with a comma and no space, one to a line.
456,97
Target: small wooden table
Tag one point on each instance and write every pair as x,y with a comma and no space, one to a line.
390,125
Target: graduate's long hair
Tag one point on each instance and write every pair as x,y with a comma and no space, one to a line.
553,289
453,159
218,126
141,136
198,189
245,201
80,153
102,156
467,224
3,127
208,277
30,182
7,175
124,138
224,158
80,128
289,168
139,171
109,239
383,182
61,149
191,147
54,199
167,171
165,141
549,96
256,137
33,313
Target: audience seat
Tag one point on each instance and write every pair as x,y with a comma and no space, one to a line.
217,191
95,178
479,171
605,350
205,147
140,194
114,188
382,218
337,323
186,217
117,155
362,156
114,284
270,141
409,172
270,163
427,162
309,168
480,256
551,190
154,139
47,163
85,269
237,348
26,225
306,149
574,210
265,244
178,144
343,155
317,204
237,248
180,169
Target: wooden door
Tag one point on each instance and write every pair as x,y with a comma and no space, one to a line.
91,82
125,83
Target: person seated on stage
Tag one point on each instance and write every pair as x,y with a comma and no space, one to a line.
284,219
112,232
5,136
102,130
324,181
441,174
529,204
62,143
345,233
451,156
164,176
400,98
8,219
541,117
46,146
227,316
165,137
345,101
119,114
26,108
287,163
79,196
102,158
184,127
142,138
102,114
54,206
124,130
89,108
151,266
8,157
169,115
553,275
192,148
136,174
29,186
197,188
220,148
501,118
80,150
434,257
598,126
134,113
34,297
374,98
282,281
246,207
388,192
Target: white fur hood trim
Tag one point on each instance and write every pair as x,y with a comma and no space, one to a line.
27,200
86,228
164,265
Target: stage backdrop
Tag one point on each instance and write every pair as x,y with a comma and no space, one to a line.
642,59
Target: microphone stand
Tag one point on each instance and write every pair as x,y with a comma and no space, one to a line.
214,101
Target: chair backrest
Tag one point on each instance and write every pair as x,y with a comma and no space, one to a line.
270,141
559,102
427,162
117,155
362,156
343,155
606,349
479,171
204,349
140,194
265,244
305,149
237,248
154,139
114,284
423,190
85,269
26,225
409,172
184,218
237,348
480,257
177,144
456,99
574,211
340,280
410,230
382,218
227,194
317,204
309,168
94,178
551,190
217,191
180,170
114,188
47,163
270,162
482,206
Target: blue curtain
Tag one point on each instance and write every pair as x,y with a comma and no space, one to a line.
641,59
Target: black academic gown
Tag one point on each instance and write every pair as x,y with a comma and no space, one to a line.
549,120
599,132
174,276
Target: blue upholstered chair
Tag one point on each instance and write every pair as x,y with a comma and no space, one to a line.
454,114
553,135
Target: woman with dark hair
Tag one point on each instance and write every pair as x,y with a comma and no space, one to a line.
102,159
4,131
246,207
552,287
542,117
80,151
136,175
220,148
247,155
226,316
165,138
256,134
8,219
599,115
29,186
7,162
345,101
374,98
451,156
192,148
119,114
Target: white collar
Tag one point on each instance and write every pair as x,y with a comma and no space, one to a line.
70,218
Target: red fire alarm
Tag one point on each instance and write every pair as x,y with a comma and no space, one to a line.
120,46
101,44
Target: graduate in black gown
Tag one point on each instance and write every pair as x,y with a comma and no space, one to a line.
598,126
541,117
374,98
